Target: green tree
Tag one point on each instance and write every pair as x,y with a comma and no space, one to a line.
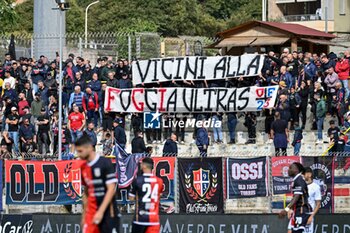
167,17
8,15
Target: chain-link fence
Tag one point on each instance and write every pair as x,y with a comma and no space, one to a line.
143,45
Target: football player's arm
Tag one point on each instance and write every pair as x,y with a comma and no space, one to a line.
110,194
84,208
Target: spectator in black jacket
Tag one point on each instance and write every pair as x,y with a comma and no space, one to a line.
138,144
119,133
170,146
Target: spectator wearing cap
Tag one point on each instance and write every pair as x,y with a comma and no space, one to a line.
90,131
9,79
170,146
13,121
43,123
91,105
76,97
119,134
321,111
27,135
125,81
36,106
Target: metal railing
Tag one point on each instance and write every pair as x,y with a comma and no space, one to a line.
304,17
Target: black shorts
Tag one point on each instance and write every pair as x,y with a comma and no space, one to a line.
299,220
109,224
107,124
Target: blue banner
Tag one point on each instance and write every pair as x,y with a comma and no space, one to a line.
246,177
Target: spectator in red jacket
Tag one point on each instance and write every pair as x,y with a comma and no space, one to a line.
343,68
90,105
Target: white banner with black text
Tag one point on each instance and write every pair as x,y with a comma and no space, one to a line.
196,68
190,99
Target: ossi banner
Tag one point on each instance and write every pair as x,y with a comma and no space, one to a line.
40,183
246,177
190,99
200,182
281,181
196,68
323,176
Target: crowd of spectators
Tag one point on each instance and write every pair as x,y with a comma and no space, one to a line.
315,84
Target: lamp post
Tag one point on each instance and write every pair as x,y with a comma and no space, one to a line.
62,6
86,20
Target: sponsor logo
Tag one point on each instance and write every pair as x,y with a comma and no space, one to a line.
9,227
60,227
155,121
72,182
152,120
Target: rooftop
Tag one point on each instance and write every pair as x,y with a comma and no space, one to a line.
289,28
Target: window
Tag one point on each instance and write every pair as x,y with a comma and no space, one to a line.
342,7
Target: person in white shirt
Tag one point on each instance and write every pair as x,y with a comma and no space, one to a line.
314,199
9,79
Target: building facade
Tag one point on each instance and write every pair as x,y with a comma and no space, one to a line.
313,14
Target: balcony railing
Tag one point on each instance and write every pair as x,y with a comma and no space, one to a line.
305,17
